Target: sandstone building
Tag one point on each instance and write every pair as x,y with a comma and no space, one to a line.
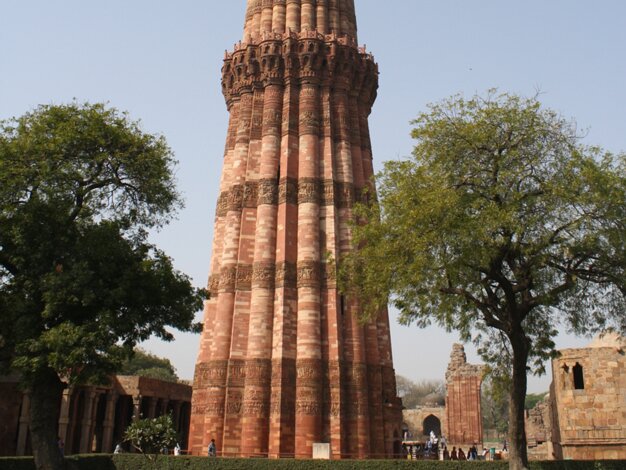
463,412
283,361
584,416
94,418
460,419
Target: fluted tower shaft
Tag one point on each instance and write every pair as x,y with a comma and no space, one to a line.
283,361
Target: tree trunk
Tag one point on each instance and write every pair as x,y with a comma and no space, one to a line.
518,456
45,392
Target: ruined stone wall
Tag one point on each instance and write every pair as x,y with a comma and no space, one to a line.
463,413
414,421
589,412
539,430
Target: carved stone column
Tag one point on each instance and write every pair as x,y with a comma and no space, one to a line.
109,421
86,432
137,407
64,413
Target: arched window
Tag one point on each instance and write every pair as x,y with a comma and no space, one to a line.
431,423
579,381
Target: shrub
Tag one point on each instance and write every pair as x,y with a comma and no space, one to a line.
17,463
138,462
89,462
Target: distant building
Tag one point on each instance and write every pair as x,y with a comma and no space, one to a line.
94,418
460,420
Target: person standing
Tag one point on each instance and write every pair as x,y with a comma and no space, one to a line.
212,449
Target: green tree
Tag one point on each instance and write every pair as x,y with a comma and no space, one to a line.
422,393
494,404
79,283
145,364
501,226
151,435
532,399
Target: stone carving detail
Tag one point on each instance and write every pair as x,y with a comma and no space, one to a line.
236,372
244,277
307,56
308,190
288,191
228,279
272,120
263,275
327,193
233,402
250,192
308,372
214,284
267,192
285,275
222,205
284,372
258,372
210,374
309,408
255,403
309,123
235,198
308,274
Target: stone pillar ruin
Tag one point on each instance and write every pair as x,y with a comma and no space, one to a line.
283,361
463,413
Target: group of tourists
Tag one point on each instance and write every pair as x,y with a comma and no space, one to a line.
437,449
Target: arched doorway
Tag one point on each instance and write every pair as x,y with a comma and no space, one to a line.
432,423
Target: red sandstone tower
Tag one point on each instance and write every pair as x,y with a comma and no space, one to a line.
463,413
283,361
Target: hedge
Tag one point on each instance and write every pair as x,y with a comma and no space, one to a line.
138,462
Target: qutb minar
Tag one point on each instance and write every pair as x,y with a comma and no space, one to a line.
283,361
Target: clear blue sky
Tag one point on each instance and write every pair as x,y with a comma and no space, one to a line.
160,60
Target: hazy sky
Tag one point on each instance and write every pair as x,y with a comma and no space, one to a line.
160,60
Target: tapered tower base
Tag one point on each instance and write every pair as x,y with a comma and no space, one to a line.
283,361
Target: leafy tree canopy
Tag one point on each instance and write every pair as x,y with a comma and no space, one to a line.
533,398
422,393
145,364
80,285
502,226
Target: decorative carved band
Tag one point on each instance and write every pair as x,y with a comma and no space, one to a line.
233,402
307,57
210,374
290,191
285,274
266,275
332,388
309,190
308,274
263,275
258,372
308,372
236,372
